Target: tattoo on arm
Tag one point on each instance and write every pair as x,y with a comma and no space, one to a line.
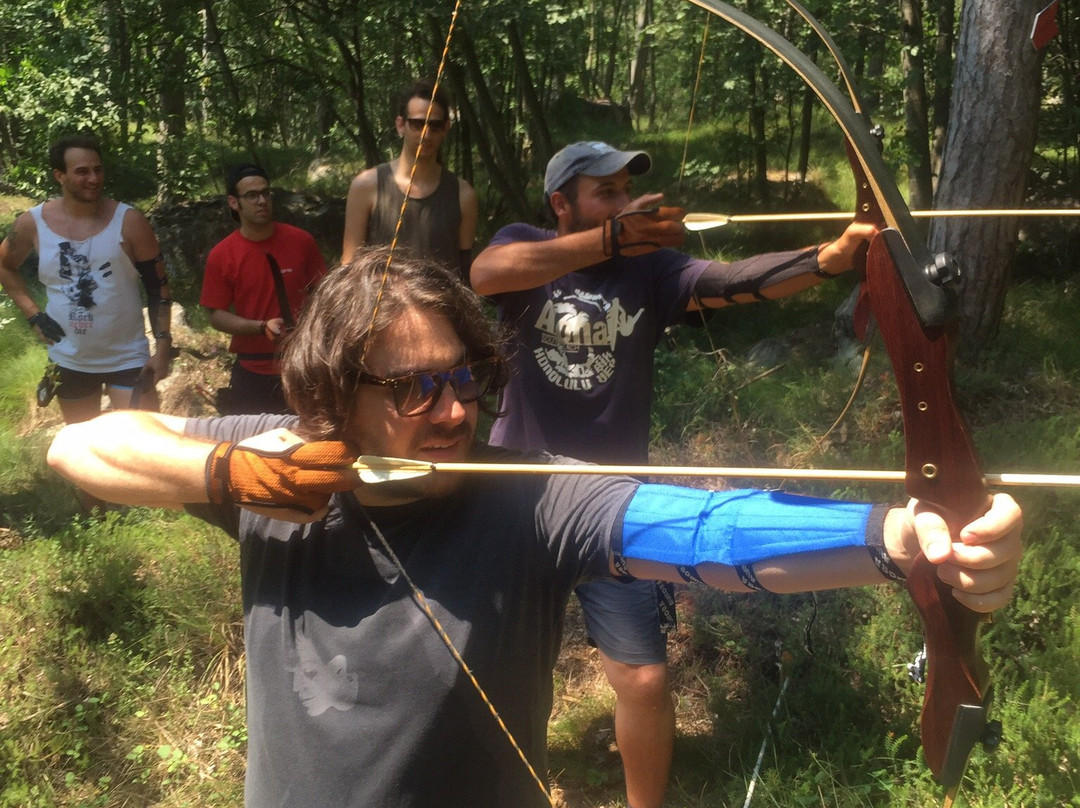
11,245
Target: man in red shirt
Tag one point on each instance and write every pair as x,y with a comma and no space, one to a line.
248,276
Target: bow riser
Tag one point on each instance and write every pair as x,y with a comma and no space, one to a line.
943,472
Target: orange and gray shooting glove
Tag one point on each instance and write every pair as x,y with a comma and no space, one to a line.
637,232
279,470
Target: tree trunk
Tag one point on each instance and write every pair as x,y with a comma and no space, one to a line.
806,118
500,140
592,54
870,65
120,72
240,118
758,138
639,65
996,91
916,122
944,41
1066,67
613,50
511,185
353,60
172,112
534,111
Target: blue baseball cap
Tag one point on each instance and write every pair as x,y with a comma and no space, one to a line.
593,159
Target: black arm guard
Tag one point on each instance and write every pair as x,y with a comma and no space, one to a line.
154,281
751,276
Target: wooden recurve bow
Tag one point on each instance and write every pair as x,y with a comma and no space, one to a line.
913,297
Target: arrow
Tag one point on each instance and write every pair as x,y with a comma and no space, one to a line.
376,469
707,221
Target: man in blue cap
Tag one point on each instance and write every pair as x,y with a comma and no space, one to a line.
588,303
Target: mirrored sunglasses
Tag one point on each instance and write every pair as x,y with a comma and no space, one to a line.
418,393
434,124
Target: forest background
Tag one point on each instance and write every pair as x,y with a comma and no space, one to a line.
120,646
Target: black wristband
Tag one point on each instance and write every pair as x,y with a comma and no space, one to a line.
875,545
609,237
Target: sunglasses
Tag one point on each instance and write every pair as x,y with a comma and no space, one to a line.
418,393
433,124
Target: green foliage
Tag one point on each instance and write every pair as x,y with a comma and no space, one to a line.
118,633
156,82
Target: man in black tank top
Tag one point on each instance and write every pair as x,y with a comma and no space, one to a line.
440,217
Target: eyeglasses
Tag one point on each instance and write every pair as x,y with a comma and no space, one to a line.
433,124
418,393
255,196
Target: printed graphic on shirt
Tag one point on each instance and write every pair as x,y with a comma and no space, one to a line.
322,685
578,331
80,285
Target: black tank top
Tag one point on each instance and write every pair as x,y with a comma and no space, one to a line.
431,224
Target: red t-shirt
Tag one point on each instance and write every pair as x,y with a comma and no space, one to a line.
238,277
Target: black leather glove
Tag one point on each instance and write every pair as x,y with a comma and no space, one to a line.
49,328
641,231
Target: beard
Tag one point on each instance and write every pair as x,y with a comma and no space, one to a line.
578,223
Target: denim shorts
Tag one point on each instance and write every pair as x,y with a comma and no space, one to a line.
629,621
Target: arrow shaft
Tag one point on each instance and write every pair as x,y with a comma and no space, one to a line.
706,221
394,467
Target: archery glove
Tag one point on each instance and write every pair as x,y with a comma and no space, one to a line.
279,470
641,231
49,328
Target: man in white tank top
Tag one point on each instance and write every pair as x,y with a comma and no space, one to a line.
92,254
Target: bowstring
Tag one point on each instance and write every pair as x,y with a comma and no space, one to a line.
412,173
713,350
418,595
425,607
693,99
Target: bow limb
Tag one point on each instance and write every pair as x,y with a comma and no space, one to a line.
912,296
837,55
867,209
880,190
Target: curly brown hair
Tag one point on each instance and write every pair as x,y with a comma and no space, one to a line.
355,302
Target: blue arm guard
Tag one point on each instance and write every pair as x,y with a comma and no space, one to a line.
688,526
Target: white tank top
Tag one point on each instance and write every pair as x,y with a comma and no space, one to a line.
92,291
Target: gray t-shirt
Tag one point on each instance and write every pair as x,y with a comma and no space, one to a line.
353,700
